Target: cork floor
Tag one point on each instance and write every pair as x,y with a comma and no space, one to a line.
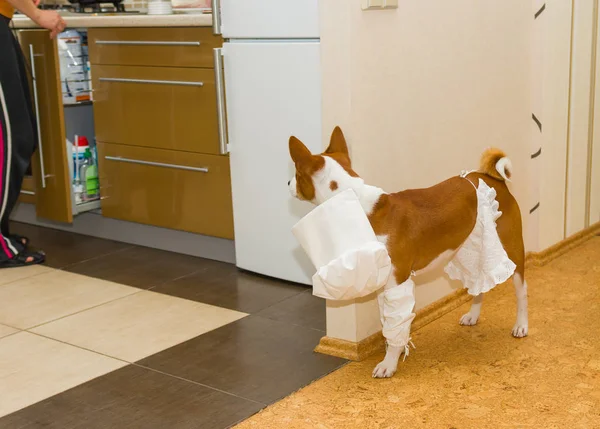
477,377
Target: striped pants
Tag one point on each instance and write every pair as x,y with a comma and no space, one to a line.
18,138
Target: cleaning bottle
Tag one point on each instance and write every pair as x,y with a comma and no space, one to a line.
80,145
89,177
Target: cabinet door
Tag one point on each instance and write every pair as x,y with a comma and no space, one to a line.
49,163
153,47
166,188
162,107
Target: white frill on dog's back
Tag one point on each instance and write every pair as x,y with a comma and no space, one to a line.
481,263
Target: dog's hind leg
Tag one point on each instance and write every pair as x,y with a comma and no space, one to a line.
522,324
515,249
511,234
472,316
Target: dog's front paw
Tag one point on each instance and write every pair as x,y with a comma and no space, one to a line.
469,319
385,369
520,330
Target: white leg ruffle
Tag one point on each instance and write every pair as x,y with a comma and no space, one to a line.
396,304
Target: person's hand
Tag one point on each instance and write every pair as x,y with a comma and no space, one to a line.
50,20
36,2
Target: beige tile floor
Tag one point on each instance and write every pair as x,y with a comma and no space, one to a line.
138,325
6,330
14,274
33,368
39,299
59,330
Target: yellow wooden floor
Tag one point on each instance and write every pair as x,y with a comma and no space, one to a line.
477,377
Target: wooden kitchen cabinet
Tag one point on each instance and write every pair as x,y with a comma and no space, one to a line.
161,107
154,119
172,189
155,110
52,187
155,47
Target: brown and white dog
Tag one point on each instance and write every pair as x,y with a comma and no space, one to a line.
421,227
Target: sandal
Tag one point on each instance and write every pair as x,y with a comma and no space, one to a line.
21,260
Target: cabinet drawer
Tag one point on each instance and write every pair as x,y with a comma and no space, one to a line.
160,107
170,189
169,47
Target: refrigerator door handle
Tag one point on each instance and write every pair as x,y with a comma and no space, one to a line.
220,90
216,16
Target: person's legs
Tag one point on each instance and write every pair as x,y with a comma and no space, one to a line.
17,135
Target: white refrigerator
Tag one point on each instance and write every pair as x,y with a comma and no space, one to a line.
271,89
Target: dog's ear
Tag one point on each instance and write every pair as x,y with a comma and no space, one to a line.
298,151
337,143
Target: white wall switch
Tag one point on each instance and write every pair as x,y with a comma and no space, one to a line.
372,4
379,4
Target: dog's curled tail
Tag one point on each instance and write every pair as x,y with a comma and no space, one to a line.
496,164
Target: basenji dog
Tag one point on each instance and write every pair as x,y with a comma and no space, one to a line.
419,226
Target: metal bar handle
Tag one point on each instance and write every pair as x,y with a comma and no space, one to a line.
151,81
216,16
146,43
220,90
156,164
37,117
23,191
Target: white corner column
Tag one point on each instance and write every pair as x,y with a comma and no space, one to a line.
353,329
353,321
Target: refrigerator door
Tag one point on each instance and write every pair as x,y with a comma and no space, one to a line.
273,91
270,19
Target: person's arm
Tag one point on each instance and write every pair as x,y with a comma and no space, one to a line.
47,19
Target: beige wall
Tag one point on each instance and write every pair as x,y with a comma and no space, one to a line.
579,113
583,145
554,71
594,153
570,174
422,90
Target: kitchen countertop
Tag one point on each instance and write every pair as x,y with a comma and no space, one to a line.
75,20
